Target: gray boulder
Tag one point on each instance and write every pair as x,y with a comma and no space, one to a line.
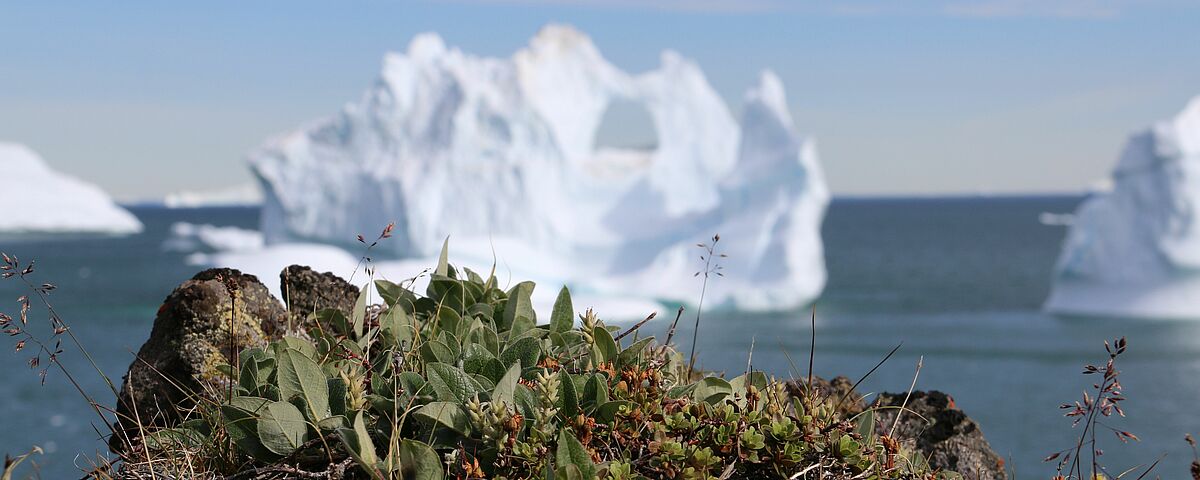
191,336
306,291
945,435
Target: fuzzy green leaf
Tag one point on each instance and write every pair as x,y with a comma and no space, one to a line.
281,428
242,426
630,355
446,414
865,426
562,317
605,349
419,461
518,310
571,452
507,386
595,391
608,411
396,326
527,351
301,377
358,443
359,314
450,383
711,390
568,395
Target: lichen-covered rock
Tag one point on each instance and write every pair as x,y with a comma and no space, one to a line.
190,339
305,291
933,425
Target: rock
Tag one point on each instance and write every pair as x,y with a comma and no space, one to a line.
946,436
832,390
950,439
189,340
305,291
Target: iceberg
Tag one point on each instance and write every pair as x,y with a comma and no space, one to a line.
1134,251
234,196
38,200
500,155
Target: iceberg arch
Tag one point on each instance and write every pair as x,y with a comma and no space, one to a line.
500,151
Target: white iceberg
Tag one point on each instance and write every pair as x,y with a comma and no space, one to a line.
499,155
246,194
190,237
1134,251
39,200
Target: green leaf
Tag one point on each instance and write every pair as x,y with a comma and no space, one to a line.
569,396
527,351
525,400
450,383
281,428
608,411
359,314
337,395
630,355
332,424
249,376
449,320
865,426
711,390
758,379
595,391
474,356
249,404
518,310
396,327
413,384
571,452
174,438
358,443
443,266
419,461
446,414
437,351
447,292
303,346
605,349
301,377
562,317
390,292
568,472
507,386
242,426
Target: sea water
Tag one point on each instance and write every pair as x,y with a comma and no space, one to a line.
958,281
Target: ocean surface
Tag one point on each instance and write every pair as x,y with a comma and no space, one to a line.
958,281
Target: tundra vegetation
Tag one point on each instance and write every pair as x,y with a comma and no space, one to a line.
462,381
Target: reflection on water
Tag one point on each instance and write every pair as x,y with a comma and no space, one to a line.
958,281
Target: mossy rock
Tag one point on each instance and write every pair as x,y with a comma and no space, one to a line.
190,339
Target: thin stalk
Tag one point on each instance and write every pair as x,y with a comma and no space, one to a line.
709,268
46,301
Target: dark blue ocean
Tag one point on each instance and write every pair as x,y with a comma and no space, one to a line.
958,281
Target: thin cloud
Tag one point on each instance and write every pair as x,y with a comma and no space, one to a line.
1075,9
1035,8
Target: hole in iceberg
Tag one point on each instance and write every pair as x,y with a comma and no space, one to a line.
626,125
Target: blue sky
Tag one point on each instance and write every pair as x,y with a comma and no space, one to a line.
922,97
